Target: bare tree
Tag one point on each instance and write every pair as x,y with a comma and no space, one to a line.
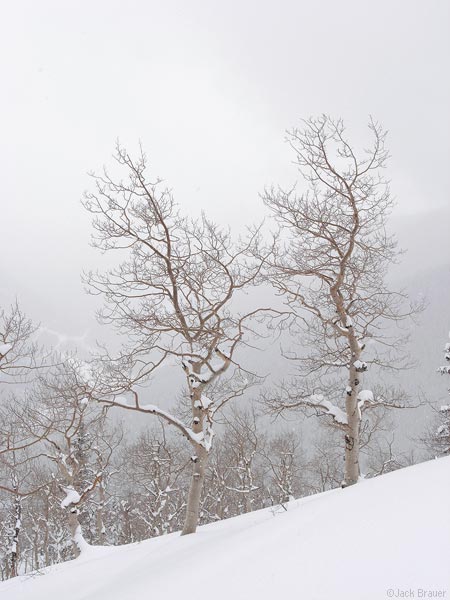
14,551
438,440
153,468
324,466
173,295
385,458
20,442
19,352
19,463
283,456
245,443
329,264
216,500
75,443
21,360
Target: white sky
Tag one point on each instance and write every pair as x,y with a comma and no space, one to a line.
209,87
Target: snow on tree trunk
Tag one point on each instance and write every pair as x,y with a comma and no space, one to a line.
78,541
195,490
14,558
199,459
70,503
352,442
100,525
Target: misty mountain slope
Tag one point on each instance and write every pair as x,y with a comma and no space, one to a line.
428,338
399,522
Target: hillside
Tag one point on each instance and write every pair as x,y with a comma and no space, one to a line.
388,533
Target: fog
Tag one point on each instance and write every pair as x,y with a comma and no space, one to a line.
209,89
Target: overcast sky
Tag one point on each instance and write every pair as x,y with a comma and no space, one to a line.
209,87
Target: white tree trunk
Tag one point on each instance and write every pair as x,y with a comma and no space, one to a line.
195,491
352,441
78,541
14,558
100,524
200,460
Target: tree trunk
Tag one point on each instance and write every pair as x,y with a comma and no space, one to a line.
195,491
352,470
100,525
15,540
46,530
78,541
200,460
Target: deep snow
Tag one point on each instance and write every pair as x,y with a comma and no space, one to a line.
388,533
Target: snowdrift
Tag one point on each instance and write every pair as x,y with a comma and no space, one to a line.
382,538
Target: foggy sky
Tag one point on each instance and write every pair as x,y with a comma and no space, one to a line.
209,87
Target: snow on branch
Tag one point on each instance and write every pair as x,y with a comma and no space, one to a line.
72,497
360,366
201,439
446,369
319,401
368,399
209,373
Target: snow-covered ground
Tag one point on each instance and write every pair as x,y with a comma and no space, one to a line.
385,537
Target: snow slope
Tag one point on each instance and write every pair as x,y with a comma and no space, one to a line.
388,533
